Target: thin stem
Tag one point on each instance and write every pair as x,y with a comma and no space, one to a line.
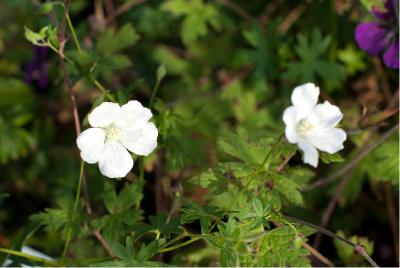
179,245
102,88
122,9
29,257
68,84
359,248
154,93
71,28
78,193
270,152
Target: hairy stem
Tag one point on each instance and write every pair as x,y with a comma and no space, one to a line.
29,257
358,248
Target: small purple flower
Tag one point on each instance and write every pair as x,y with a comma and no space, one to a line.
36,70
382,36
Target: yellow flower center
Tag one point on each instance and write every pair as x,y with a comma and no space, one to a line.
113,133
304,126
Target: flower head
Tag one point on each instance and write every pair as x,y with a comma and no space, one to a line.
312,126
382,35
115,130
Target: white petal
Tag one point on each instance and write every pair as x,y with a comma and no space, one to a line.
91,144
304,98
310,154
133,115
104,114
141,141
327,140
290,119
325,115
116,161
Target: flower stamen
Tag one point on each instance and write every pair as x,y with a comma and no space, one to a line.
304,126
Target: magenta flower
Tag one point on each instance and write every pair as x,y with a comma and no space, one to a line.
382,36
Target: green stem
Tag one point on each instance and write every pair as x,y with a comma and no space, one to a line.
358,248
74,37
102,88
179,245
29,257
270,152
78,193
154,93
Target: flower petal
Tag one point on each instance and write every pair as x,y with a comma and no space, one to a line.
133,115
310,154
104,114
371,37
325,115
116,161
391,56
327,140
304,98
290,119
91,144
141,141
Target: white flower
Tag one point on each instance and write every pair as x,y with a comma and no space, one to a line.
312,126
115,130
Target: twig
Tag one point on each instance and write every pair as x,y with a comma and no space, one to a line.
384,81
235,8
291,18
318,255
331,206
122,9
358,248
109,6
67,81
284,163
103,242
392,217
363,152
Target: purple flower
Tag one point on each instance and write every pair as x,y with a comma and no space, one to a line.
36,70
382,36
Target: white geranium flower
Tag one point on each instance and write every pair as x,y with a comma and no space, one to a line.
115,130
312,126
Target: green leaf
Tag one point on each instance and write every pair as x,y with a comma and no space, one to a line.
331,158
289,189
312,63
197,16
369,4
33,37
191,212
353,59
239,146
158,224
45,8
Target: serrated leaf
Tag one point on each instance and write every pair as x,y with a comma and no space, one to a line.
331,158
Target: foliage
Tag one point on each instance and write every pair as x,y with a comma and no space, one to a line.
217,76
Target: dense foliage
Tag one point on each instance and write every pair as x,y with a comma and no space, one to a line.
224,187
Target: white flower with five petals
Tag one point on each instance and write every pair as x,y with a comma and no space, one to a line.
312,126
115,130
